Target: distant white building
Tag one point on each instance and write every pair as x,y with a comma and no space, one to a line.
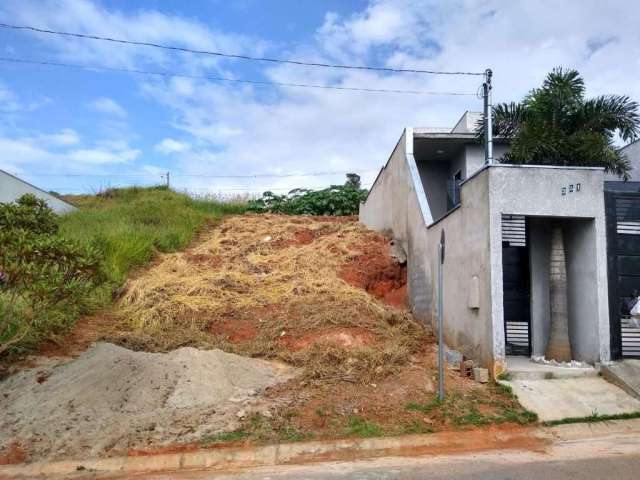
12,188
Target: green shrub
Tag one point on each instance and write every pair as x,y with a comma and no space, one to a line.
57,256
335,200
43,277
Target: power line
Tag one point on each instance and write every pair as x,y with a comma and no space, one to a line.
226,79
204,175
229,55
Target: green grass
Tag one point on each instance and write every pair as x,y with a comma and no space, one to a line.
593,418
423,407
359,427
129,225
257,428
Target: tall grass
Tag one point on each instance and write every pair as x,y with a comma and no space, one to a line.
130,224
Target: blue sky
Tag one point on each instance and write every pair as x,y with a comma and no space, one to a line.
105,129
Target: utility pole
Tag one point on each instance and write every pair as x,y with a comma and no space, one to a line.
167,177
441,360
488,121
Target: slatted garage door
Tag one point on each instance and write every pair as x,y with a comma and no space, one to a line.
623,251
516,285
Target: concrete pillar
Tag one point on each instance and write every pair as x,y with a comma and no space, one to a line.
558,347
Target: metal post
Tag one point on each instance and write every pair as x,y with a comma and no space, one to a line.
440,323
168,185
488,120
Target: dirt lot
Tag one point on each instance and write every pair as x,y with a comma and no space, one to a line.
322,295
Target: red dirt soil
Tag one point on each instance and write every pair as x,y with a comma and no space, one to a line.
14,454
343,337
377,272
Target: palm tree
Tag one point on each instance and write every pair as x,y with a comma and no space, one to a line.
556,125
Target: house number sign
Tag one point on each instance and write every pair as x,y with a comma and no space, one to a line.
571,188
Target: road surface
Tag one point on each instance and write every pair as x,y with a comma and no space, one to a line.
615,457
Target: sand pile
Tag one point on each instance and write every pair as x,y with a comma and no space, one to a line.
112,399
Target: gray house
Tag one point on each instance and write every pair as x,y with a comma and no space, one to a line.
12,188
498,221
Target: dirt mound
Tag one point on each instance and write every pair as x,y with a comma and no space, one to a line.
112,399
275,286
377,272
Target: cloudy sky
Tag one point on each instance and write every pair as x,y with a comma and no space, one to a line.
74,130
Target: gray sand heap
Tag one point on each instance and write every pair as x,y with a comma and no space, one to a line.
111,399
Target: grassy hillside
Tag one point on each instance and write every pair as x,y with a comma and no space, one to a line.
130,224
126,226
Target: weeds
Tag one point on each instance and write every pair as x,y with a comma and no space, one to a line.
477,407
359,427
260,429
594,418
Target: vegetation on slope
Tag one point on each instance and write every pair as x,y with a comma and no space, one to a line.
335,200
122,229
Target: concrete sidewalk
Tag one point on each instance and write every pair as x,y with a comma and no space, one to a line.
572,398
625,374
611,456
242,458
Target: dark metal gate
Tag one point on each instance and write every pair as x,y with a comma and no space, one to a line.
623,259
516,285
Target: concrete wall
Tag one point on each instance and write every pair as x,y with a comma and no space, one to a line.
582,288
582,285
12,188
467,256
397,203
434,177
539,266
537,191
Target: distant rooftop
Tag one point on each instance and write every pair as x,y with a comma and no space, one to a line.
465,126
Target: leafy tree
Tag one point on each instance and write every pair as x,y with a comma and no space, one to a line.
39,270
556,125
335,200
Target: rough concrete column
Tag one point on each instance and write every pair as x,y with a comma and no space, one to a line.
558,347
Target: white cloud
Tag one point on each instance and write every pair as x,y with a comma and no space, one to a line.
108,106
235,129
85,16
97,156
169,145
63,138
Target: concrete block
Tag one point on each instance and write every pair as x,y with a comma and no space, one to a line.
481,375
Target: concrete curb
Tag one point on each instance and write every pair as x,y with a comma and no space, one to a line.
231,458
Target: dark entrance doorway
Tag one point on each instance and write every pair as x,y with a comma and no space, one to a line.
623,262
516,285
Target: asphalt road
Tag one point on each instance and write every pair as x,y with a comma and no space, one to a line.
616,458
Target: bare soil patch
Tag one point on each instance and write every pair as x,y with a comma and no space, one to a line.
110,400
320,294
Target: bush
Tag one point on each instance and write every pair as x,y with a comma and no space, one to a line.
335,200
43,277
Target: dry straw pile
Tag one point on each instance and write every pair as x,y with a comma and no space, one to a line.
270,286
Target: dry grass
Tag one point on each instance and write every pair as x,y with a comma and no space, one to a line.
279,277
